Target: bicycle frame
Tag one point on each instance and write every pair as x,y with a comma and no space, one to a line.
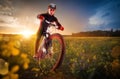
45,39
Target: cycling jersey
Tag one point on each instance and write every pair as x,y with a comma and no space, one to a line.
49,18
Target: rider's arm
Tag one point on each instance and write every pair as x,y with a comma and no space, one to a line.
60,27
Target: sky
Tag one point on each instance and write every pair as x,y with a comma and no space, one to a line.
17,16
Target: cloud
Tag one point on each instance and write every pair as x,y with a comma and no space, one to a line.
6,5
6,8
107,15
7,20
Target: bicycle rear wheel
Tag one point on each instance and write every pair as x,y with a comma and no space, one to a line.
55,55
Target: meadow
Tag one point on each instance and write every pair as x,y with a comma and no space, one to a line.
85,58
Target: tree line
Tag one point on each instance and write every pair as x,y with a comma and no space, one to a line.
98,33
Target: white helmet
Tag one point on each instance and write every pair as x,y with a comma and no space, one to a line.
52,6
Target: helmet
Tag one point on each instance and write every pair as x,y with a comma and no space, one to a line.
52,6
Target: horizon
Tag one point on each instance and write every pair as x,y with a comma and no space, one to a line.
111,30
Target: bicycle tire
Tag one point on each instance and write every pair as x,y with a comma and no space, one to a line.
61,55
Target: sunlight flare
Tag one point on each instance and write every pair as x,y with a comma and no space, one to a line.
27,33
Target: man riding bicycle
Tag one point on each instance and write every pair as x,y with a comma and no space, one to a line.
42,31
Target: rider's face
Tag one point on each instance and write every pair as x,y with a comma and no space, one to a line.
51,11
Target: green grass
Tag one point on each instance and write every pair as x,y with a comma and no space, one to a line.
85,58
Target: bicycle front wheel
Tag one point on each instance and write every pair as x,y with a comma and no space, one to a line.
55,55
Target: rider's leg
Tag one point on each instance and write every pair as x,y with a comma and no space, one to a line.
44,45
37,45
37,42
46,42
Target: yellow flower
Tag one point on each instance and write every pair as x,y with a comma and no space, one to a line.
25,65
94,57
15,68
23,55
14,76
15,51
35,69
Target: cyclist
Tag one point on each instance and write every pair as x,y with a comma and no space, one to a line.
42,31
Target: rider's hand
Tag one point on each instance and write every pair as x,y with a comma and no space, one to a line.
41,17
61,28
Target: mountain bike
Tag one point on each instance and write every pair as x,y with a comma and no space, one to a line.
51,50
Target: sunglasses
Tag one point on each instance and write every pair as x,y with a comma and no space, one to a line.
52,9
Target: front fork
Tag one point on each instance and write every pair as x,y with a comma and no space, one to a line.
47,43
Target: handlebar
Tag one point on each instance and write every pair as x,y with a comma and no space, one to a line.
51,24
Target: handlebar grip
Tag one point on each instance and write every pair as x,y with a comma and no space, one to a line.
47,21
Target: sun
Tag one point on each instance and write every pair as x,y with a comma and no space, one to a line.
27,33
